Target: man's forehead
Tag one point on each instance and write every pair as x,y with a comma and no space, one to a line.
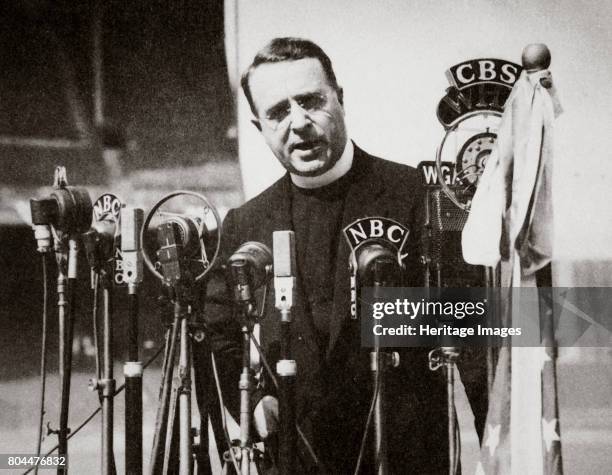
273,82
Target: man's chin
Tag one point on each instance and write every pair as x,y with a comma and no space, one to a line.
312,168
311,172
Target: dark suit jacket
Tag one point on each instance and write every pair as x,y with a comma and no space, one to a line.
333,389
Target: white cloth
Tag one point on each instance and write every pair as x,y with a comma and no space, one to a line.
512,207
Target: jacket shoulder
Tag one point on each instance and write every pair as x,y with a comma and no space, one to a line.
260,205
397,178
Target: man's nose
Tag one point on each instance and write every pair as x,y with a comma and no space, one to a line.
299,117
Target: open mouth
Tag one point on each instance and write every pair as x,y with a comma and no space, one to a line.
307,146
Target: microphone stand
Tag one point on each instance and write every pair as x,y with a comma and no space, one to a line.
181,246
244,300
131,223
66,251
65,345
100,256
175,393
380,362
287,371
66,213
106,386
286,368
445,356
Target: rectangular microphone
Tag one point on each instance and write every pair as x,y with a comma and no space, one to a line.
131,224
283,245
283,249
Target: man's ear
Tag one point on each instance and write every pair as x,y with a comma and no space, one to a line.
340,94
256,123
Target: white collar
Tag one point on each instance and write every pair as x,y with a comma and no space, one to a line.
340,168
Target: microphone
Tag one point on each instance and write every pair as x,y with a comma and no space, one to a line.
179,238
188,230
131,224
249,267
67,209
377,265
99,242
284,271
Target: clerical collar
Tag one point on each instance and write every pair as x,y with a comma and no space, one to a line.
341,168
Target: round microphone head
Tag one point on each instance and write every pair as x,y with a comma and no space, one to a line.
257,256
187,223
190,231
375,261
74,209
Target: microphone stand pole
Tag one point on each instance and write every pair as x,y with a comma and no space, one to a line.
175,394
106,386
286,368
446,356
380,361
243,297
61,255
66,250
131,223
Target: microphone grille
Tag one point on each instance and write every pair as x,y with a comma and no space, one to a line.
131,223
283,245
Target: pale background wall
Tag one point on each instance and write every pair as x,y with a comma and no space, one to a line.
390,56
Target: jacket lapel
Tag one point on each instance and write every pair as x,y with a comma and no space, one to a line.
278,207
279,218
364,199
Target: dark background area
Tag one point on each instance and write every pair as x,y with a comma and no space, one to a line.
165,85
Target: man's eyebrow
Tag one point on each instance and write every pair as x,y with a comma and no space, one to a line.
280,104
307,94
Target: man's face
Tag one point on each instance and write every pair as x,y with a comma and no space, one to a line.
300,115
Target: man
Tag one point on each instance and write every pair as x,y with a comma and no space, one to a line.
298,107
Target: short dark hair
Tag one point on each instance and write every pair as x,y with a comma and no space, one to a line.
287,49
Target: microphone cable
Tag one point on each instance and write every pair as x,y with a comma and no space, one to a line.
99,408
228,441
268,369
270,373
364,438
457,449
43,357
